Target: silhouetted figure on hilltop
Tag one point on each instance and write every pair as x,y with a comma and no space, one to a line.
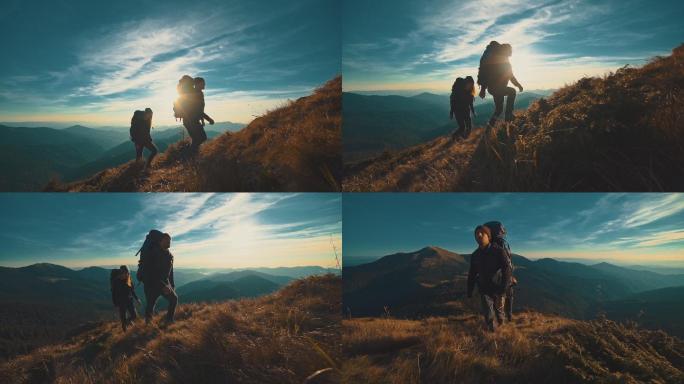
498,232
190,108
461,99
123,294
155,270
141,125
490,270
494,74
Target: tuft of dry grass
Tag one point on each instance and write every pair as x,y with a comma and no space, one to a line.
281,338
534,348
294,148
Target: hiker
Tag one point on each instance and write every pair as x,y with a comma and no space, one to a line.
462,97
123,294
141,124
155,270
190,108
494,74
200,84
491,272
498,232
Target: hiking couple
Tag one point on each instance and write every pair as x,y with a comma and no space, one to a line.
155,271
493,75
189,107
491,270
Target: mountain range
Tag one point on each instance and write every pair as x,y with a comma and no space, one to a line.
432,281
31,156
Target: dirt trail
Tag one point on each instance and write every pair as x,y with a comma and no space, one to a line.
431,167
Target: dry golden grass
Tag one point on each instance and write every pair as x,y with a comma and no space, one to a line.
534,348
296,147
281,338
622,132
434,166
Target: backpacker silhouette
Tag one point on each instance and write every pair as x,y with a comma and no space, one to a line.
114,275
486,68
139,130
183,106
147,264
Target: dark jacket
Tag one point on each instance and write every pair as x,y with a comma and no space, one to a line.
122,293
159,268
484,267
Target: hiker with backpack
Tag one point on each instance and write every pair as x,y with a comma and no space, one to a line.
123,294
155,271
491,272
498,232
461,99
494,73
141,124
190,109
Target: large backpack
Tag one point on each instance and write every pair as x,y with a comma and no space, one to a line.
146,264
499,237
484,71
138,129
185,88
113,277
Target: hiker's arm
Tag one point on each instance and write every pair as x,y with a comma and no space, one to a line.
206,117
173,284
516,83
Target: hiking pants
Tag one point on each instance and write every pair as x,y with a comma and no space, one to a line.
152,293
507,303
465,124
499,94
130,308
150,146
492,308
196,132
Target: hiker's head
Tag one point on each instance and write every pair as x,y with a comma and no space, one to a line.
483,235
458,84
199,83
124,270
185,84
469,85
165,241
506,50
148,113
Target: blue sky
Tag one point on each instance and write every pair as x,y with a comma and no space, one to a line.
227,230
424,45
95,62
621,228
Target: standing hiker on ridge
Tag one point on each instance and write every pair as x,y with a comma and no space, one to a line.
190,108
491,272
498,232
155,270
461,99
141,125
494,74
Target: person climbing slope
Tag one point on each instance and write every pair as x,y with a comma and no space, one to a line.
123,294
462,98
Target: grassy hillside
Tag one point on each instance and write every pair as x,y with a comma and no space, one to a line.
281,338
535,348
622,132
293,148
